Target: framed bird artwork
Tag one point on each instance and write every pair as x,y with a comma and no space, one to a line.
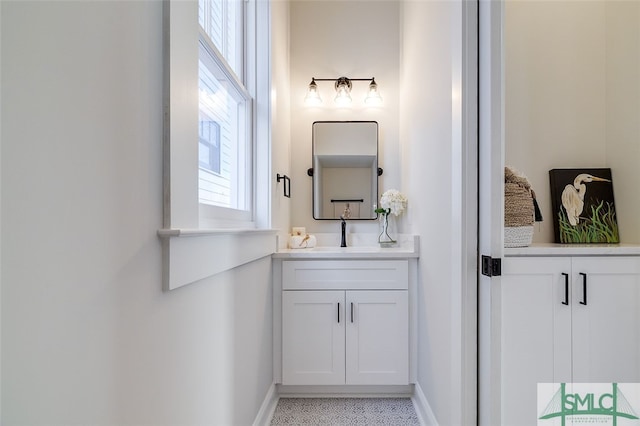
583,206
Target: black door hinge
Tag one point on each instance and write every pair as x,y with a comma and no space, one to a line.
491,267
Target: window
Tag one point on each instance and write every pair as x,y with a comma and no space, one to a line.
225,154
209,148
223,22
217,144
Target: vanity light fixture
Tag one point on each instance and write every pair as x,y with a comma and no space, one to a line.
343,91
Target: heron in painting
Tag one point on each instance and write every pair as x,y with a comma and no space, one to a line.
573,196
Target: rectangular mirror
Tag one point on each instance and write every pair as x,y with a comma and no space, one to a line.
345,169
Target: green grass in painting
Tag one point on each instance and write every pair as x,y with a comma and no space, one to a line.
600,227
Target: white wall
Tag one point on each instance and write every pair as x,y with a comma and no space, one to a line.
0,217
572,97
623,112
88,336
330,39
431,175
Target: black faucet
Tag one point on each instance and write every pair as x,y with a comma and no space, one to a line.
343,241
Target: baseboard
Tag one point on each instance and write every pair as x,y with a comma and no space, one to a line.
344,391
423,410
268,407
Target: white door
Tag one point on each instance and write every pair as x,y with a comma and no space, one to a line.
377,337
536,332
313,337
606,319
490,204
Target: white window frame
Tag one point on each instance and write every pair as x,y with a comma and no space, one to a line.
195,247
211,216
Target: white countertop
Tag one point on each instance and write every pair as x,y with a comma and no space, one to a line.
551,249
408,247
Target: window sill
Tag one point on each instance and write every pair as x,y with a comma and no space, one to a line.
180,232
190,255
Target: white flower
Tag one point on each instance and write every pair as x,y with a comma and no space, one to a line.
393,201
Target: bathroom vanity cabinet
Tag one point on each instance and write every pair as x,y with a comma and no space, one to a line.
344,320
566,319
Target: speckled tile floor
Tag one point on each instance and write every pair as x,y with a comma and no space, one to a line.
345,411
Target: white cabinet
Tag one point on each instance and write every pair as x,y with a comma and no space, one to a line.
313,345
337,330
566,319
606,331
377,335
535,333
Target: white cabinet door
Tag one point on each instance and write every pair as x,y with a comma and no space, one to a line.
606,330
377,337
535,332
593,338
313,337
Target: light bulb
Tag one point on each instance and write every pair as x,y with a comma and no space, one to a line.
343,87
373,97
313,97
343,97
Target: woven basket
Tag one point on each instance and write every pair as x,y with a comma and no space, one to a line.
518,210
518,236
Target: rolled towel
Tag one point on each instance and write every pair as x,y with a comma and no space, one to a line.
302,241
299,230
